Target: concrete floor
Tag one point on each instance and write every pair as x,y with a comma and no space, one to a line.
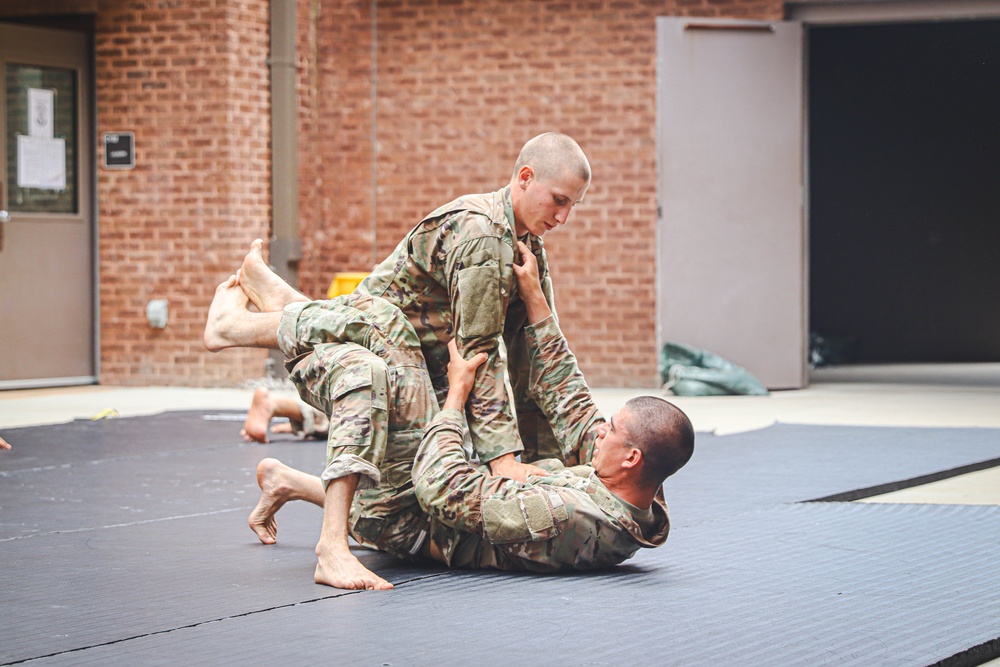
889,395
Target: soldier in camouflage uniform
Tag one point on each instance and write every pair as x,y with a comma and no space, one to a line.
357,359
592,515
452,276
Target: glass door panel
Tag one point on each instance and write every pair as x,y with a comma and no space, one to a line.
41,139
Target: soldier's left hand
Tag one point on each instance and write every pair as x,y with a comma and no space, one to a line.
508,466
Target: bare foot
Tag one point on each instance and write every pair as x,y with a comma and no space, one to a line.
341,569
280,484
265,288
3,444
258,416
229,305
274,492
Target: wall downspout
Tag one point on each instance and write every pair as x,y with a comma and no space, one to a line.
286,244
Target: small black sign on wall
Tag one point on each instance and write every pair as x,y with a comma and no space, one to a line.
119,150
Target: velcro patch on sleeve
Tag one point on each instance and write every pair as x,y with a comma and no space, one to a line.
531,515
480,308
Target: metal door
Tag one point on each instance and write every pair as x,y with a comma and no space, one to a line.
732,243
47,250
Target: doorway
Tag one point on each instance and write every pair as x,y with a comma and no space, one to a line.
904,205
47,237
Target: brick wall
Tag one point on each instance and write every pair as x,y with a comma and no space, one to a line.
459,86
190,78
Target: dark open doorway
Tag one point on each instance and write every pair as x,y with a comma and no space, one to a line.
904,164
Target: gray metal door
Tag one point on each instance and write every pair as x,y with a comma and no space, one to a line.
732,242
47,318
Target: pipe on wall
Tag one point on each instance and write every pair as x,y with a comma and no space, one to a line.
286,244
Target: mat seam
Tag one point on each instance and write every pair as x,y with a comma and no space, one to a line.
215,620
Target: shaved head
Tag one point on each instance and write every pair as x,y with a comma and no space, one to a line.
664,435
552,155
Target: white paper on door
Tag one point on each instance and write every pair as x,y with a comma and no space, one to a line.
41,163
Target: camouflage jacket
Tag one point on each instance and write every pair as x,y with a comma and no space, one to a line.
453,277
565,521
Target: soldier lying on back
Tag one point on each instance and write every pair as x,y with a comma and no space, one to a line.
587,516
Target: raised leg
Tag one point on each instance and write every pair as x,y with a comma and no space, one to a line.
265,288
230,324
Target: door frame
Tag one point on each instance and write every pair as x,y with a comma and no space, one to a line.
847,13
33,45
853,12
813,13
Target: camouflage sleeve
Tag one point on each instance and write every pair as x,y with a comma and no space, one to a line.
448,486
478,302
558,387
466,497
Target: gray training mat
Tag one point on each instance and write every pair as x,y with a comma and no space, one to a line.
125,542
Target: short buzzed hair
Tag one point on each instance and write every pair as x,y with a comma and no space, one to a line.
553,154
664,435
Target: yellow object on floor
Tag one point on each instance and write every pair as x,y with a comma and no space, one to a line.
107,413
344,283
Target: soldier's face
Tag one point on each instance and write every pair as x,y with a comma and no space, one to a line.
545,204
612,446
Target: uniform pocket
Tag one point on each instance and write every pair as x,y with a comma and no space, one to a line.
356,405
397,475
532,515
479,302
352,378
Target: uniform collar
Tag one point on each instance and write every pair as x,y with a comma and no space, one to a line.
508,209
529,239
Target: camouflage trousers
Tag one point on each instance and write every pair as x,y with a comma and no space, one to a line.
357,359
